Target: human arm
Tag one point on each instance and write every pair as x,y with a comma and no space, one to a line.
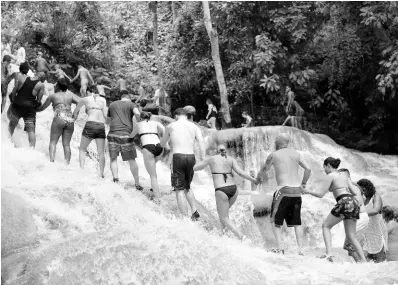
323,189
45,104
136,114
199,139
202,164
91,78
75,99
78,107
377,205
210,109
160,128
307,171
240,172
67,76
39,92
166,137
104,110
106,87
266,167
77,75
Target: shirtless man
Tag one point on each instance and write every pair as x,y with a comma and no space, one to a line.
182,135
59,73
42,64
249,120
286,204
63,123
141,93
5,72
84,78
23,105
363,221
121,85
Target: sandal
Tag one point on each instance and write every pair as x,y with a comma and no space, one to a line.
139,187
277,251
329,258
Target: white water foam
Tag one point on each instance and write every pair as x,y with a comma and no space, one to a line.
92,231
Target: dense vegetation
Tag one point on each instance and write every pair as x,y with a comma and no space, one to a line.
340,58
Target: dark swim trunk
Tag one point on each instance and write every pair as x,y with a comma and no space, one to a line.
346,208
15,113
156,150
121,144
182,172
94,130
230,190
286,205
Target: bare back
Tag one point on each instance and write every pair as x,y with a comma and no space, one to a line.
150,129
95,108
339,184
83,73
65,98
121,84
220,164
182,136
42,64
286,162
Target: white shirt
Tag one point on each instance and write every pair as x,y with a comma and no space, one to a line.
157,95
21,55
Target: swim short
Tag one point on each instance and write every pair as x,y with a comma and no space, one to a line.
286,205
230,190
156,150
346,208
94,130
182,171
362,223
60,125
15,113
121,144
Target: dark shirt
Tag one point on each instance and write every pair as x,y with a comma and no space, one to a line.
121,114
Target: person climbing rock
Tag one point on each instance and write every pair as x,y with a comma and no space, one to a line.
85,76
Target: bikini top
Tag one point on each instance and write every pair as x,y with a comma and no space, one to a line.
143,134
96,108
224,174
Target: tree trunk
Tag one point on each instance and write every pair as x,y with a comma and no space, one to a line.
174,11
215,54
154,8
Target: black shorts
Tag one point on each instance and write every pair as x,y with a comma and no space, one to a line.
286,205
182,171
15,113
94,130
156,150
121,144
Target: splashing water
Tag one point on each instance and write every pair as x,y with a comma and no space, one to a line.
91,231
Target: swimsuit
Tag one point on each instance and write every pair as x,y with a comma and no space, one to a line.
182,171
230,190
225,175
286,205
376,234
213,113
156,150
122,144
347,208
64,113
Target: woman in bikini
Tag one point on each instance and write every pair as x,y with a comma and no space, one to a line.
94,128
211,115
347,208
63,123
226,192
149,133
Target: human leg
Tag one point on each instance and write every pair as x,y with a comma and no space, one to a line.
327,225
350,229
83,88
134,170
181,202
66,138
223,206
101,154
150,165
55,133
82,150
191,200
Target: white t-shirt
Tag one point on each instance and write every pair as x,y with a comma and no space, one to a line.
157,95
21,55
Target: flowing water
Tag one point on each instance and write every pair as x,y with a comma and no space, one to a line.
92,231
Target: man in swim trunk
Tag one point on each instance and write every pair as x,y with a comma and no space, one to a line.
84,78
286,204
5,72
25,98
120,119
182,135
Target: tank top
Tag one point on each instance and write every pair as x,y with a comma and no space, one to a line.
376,235
25,97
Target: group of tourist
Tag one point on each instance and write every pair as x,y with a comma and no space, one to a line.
370,228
